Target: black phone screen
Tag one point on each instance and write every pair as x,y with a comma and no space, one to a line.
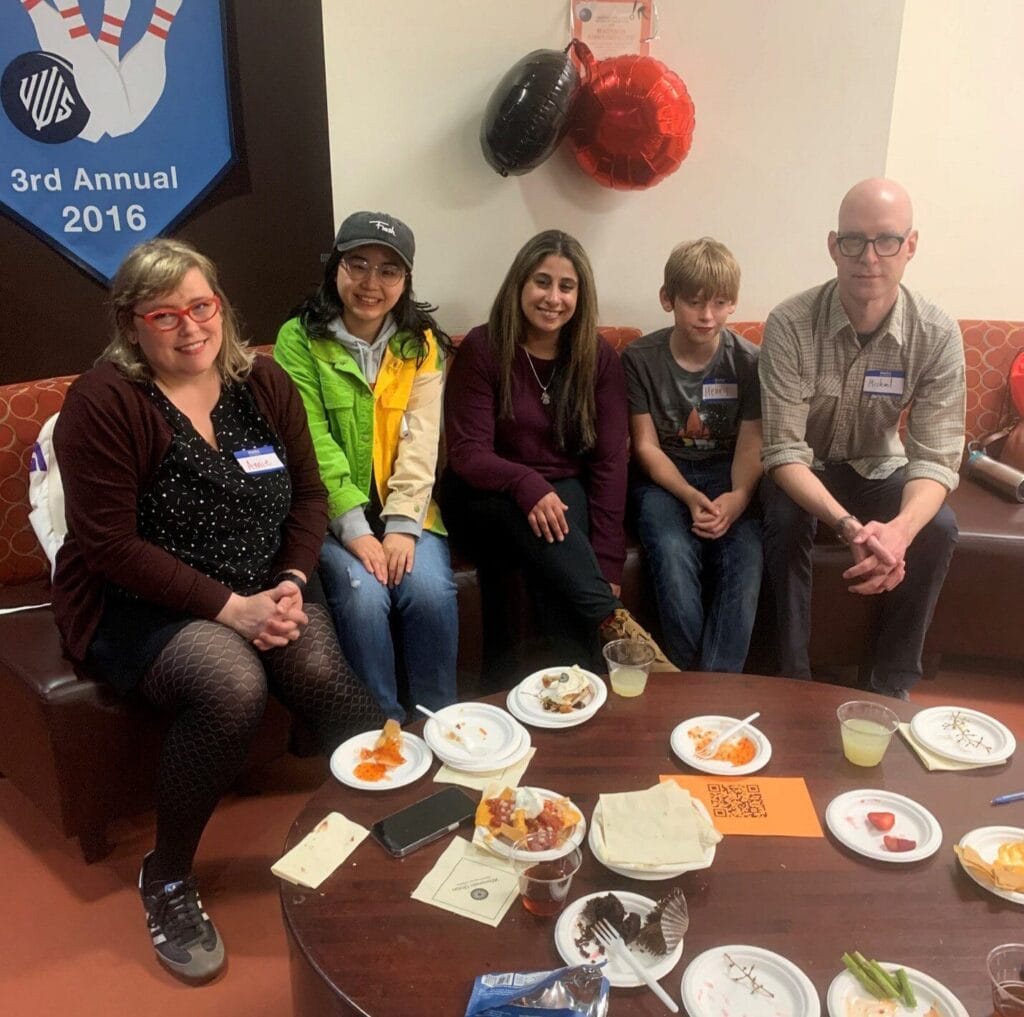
423,821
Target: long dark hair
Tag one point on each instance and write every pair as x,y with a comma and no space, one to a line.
413,317
572,385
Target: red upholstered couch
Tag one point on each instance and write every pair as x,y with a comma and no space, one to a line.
86,757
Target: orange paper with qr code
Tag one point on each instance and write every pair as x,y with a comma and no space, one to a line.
757,806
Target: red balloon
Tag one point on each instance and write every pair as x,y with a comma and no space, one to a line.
633,122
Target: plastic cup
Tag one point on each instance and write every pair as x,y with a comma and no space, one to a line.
1006,972
867,729
629,662
544,885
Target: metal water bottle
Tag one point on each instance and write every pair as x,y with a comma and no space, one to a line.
1002,479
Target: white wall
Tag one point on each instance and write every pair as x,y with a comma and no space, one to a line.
793,104
958,145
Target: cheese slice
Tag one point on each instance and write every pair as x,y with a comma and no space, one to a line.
659,826
321,851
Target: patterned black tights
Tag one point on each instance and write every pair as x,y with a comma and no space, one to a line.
216,683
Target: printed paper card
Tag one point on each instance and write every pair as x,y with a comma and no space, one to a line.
470,882
756,806
614,27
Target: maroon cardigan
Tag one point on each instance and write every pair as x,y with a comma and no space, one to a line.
518,457
110,437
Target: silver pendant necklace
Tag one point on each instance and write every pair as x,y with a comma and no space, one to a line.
544,397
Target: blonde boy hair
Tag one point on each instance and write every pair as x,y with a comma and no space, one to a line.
702,267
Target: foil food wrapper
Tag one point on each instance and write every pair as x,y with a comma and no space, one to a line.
580,991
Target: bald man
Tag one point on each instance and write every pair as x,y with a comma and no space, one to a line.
839,365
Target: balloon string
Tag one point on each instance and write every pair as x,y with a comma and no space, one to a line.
655,21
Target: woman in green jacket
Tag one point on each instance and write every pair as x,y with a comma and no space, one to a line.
368,359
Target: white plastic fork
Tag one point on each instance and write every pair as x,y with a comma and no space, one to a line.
610,939
716,743
468,742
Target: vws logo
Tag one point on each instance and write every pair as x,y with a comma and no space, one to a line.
114,119
78,85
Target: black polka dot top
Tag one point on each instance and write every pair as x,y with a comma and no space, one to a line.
201,505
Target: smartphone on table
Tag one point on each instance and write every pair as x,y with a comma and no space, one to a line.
424,821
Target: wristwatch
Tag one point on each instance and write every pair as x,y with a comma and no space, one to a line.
291,577
841,524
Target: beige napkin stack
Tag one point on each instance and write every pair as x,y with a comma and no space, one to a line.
509,777
659,826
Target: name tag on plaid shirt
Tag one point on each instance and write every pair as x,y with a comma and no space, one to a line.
885,383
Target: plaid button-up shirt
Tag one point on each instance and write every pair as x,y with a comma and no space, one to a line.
817,383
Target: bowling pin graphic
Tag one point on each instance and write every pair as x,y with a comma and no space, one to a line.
97,78
49,26
144,68
109,39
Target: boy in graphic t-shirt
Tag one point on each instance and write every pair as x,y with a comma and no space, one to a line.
695,423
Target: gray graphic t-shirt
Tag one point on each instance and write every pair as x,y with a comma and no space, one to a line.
696,414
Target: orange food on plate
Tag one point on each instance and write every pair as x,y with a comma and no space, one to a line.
385,755
514,813
738,751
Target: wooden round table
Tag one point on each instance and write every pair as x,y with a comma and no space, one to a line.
360,945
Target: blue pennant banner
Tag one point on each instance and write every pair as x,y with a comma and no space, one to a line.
114,120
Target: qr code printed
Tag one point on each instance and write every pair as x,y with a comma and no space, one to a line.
737,801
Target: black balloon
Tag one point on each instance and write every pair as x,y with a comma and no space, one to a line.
528,113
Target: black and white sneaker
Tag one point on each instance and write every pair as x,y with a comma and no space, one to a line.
185,940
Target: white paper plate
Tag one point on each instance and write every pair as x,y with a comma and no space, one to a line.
504,738
618,973
499,847
646,872
927,990
930,728
846,817
524,701
682,746
707,988
345,758
986,840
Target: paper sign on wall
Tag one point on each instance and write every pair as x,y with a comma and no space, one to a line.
114,119
613,27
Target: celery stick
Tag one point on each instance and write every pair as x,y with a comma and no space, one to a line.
907,996
884,978
864,977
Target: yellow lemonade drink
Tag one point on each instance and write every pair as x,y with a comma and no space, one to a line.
628,681
864,741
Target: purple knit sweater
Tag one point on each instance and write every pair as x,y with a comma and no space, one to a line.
518,457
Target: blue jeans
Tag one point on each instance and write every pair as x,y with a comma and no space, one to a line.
706,590
429,621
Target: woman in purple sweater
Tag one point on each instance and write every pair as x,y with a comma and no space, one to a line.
536,430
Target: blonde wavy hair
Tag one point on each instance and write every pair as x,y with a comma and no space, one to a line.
153,268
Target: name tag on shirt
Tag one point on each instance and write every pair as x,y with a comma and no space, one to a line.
719,390
885,383
259,460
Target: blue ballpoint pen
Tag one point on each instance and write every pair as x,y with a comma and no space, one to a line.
1017,796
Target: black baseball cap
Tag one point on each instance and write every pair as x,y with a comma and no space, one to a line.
376,228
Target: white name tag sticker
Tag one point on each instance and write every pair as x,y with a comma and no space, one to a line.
259,460
887,383
716,390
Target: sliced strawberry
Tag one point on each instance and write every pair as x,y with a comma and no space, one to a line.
881,820
899,843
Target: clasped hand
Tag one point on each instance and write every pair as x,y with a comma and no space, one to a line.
879,555
712,518
267,619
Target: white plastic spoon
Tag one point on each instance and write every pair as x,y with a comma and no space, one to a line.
716,743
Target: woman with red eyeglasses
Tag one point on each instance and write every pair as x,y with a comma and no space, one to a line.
195,517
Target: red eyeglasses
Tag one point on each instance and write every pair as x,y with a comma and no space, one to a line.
167,319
